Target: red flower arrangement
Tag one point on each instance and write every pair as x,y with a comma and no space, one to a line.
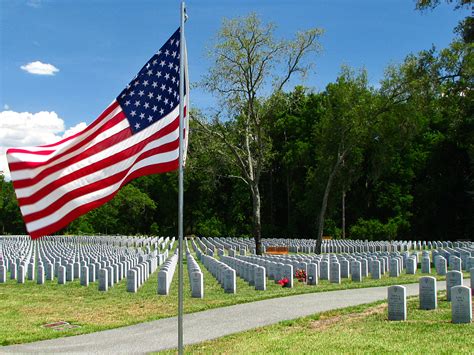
300,274
283,282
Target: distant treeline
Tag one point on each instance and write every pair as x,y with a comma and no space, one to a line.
393,161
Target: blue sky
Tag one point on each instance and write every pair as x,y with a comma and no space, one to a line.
98,46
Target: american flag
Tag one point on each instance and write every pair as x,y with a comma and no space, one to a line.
138,134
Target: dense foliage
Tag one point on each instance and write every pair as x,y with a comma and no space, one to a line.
394,161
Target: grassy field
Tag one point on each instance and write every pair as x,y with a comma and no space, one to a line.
25,308
361,329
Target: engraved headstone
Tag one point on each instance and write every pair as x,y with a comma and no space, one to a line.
455,263
49,271
461,307
31,271
230,285
428,293
70,272
324,268
103,280
61,275
288,274
92,272
397,303
394,267
21,274
426,265
453,278
260,278
312,274
411,266
84,276
375,269
132,282
344,268
3,274
335,273
13,271
472,280
40,275
441,266
197,284
356,271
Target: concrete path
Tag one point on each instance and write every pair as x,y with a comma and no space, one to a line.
162,334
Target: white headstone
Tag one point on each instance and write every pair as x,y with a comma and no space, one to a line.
397,303
230,285
103,280
426,265
21,274
428,293
260,278
40,275
85,276
394,268
288,274
3,274
197,284
453,278
61,275
324,268
356,271
461,308
132,283
335,273
312,278
411,266
375,269
441,266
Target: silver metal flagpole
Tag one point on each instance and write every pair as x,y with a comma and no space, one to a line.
181,178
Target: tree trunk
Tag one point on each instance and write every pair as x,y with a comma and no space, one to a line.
324,205
343,213
257,224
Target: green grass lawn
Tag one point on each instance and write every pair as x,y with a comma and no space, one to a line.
361,329
25,308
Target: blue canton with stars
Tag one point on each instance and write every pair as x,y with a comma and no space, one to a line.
154,92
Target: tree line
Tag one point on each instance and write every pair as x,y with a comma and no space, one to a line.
393,161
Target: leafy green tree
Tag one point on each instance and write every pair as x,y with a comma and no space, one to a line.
341,133
247,61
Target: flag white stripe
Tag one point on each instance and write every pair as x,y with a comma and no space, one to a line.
21,157
96,176
33,173
98,194
136,138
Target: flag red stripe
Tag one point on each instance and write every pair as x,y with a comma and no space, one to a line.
97,185
99,119
116,138
148,170
104,163
39,152
14,166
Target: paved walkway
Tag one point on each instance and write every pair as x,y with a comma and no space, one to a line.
162,334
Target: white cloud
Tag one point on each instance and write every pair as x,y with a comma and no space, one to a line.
20,129
6,107
40,68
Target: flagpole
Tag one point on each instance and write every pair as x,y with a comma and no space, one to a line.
181,178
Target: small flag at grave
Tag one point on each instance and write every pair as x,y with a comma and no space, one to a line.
138,134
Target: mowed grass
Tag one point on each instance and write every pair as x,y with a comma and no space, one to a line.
360,329
25,308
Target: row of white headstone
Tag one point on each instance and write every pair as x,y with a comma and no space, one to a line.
196,276
166,274
459,295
